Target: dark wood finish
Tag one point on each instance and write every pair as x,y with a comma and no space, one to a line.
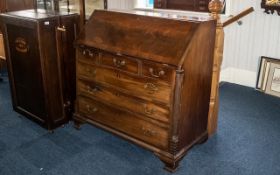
14,5
191,5
149,89
271,8
111,96
157,95
41,64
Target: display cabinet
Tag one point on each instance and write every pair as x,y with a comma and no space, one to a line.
41,64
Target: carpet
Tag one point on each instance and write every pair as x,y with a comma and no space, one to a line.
247,143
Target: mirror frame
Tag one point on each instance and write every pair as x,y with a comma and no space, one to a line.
269,9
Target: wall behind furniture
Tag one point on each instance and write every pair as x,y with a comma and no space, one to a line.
258,35
120,4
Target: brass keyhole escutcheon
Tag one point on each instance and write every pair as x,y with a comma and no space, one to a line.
149,111
91,109
152,88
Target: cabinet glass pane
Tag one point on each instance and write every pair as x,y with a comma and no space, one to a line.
45,4
69,6
91,5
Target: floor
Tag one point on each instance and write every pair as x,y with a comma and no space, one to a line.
247,143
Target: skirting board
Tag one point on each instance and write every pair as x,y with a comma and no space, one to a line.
239,76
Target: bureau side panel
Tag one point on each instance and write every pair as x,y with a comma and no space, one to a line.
196,86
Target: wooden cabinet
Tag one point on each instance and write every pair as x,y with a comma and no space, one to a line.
41,64
146,79
192,5
14,5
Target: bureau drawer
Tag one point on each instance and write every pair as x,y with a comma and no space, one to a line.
89,55
119,62
122,121
158,71
144,88
123,101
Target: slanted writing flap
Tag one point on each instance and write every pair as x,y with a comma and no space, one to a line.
153,38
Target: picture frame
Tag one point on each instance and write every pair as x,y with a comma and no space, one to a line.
273,82
271,6
267,75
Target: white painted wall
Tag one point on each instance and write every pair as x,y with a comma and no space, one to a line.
120,4
259,35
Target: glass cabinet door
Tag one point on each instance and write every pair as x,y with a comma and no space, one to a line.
45,4
72,6
91,5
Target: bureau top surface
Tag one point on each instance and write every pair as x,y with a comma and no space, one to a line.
149,37
34,15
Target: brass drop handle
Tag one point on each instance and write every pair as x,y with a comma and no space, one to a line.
61,29
90,53
149,111
91,71
119,63
151,87
157,75
85,52
90,109
148,132
92,90
67,104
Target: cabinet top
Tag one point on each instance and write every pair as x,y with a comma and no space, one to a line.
153,38
38,14
169,14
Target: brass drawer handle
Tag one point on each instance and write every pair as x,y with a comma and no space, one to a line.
119,63
90,109
152,88
61,29
84,52
148,132
149,111
92,90
88,52
91,71
156,75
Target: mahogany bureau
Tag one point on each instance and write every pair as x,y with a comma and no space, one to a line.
146,79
